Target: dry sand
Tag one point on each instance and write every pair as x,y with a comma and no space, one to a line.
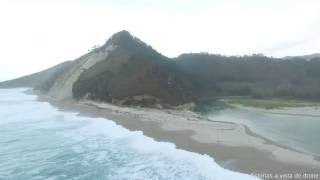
233,146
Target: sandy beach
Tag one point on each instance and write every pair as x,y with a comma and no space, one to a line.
233,146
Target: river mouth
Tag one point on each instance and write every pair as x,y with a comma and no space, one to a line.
295,132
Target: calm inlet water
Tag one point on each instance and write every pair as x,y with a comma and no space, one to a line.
39,142
298,132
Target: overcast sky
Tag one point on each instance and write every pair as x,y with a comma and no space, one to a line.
37,34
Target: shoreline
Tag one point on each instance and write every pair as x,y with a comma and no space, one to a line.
233,146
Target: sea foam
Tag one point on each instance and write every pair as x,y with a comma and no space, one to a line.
39,142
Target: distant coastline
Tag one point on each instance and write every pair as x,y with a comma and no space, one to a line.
301,111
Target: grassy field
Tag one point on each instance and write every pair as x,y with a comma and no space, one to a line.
268,103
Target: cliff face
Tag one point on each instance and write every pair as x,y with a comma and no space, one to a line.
62,87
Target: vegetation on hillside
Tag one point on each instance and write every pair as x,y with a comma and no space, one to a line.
134,68
256,76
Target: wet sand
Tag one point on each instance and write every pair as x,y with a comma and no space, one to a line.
233,146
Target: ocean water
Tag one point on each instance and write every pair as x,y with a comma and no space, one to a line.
39,142
297,132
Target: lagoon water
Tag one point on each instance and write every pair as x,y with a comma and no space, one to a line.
39,142
297,132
